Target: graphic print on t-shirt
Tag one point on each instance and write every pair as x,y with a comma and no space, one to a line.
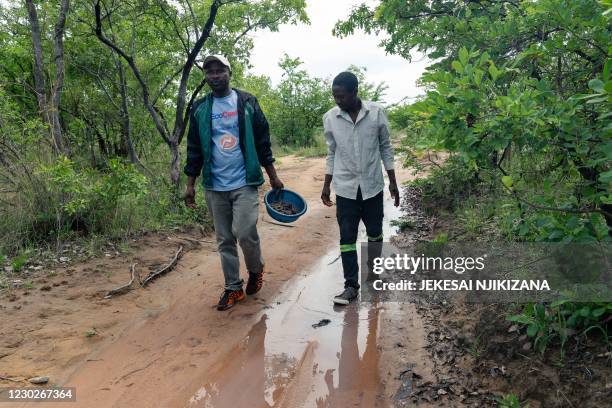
228,141
228,167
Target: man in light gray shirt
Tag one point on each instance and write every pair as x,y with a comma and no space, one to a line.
357,136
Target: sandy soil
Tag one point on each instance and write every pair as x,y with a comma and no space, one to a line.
158,346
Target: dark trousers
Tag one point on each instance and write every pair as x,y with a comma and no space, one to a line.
349,212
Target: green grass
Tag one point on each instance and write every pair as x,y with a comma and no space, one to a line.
441,238
403,224
510,401
477,347
19,261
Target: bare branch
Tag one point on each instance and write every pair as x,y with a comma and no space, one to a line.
179,123
556,209
194,95
175,27
261,23
145,89
165,85
165,269
193,17
124,288
58,39
39,80
100,82
432,161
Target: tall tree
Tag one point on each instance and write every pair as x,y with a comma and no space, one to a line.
191,27
49,99
531,77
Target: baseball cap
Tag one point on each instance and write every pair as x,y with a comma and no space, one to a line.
218,58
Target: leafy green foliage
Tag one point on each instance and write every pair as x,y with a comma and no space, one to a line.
299,104
510,401
519,96
446,186
561,319
18,262
584,316
91,198
91,332
295,106
441,238
93,192
521,89
402,223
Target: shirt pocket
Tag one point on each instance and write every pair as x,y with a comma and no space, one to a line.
369,139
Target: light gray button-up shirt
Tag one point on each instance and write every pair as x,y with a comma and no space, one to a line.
355,150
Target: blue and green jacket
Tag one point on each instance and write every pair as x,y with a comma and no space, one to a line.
254,139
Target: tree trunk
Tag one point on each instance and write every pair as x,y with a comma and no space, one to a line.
39,76
101,144
591,175
48,105
58,86
175,164
92,151
126,129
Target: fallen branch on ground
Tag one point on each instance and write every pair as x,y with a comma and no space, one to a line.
125,288
165,269
9,379
197,241
194,241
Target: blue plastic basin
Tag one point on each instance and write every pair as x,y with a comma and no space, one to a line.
288,196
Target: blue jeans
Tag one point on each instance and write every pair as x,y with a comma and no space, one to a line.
234,215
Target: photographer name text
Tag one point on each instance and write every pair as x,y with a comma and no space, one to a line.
462,285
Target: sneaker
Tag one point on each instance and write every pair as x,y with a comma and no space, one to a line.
346,297
229,298
255,282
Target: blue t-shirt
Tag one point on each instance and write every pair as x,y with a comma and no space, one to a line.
228,167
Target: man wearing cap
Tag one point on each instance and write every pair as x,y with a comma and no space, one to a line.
228,142
357,136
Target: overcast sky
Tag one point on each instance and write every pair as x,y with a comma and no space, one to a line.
325,55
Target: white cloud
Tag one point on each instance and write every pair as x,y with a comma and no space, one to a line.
325,55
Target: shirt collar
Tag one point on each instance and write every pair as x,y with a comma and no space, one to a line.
365,107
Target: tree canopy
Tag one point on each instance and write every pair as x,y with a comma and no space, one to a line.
521,79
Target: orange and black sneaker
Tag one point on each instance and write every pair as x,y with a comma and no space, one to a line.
255,282
229,298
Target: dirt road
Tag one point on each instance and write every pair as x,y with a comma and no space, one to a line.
166,346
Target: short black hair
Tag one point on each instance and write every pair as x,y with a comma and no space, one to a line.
347,80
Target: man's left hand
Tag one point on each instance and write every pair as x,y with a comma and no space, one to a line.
394,193
276,183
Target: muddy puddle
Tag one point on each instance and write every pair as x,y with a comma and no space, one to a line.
304,351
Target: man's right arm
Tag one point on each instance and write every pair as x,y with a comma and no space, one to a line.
329,164
326,193
195,159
